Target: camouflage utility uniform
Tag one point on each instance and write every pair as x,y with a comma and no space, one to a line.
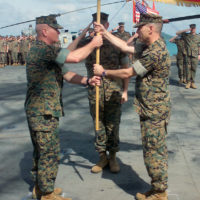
2,53
43,107
124,36
181,58
152,103
24,48
14,48
110,94
191,42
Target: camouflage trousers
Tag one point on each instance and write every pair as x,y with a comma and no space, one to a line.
14,55
181,64
155,154
107,137
46,149
192,64
2,58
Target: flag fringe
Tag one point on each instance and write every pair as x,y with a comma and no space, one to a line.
181,2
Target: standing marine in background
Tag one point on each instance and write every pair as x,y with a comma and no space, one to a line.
192,41
181,57
113,92
121,33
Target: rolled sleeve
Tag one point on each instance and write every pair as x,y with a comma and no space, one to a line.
62,55
60,59
139,68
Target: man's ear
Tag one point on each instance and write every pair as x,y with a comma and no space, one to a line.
44,32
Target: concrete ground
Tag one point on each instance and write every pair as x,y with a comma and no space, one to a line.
78,154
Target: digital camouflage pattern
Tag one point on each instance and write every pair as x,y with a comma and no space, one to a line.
154,133
152,98
192,43
45,140
147,18
43,107
110,91
181,58
14,48
45,81
49,20
2,52
152,102
124,36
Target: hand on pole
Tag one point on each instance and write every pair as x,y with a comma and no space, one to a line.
99,28
95,80
98,70
97,41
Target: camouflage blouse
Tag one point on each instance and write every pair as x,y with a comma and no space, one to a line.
180,43
192,43
44,81
152,98
124,36
110,58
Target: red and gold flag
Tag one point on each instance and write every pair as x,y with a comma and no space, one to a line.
181,2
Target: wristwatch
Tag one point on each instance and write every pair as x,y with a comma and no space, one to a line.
103,73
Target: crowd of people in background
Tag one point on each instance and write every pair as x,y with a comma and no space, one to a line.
14,49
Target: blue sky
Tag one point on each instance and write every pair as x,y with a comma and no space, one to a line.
15,11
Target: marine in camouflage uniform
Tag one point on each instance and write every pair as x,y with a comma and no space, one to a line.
25,46
14,49
110,94
152,98
2,52
181,57
192,41
121,33
9,51
43,105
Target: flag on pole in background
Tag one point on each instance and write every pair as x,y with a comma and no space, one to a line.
134,15
142,9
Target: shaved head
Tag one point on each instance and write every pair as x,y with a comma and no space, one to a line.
40,27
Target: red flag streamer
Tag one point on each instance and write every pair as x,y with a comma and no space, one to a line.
134,17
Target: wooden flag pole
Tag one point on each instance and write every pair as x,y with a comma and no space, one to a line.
98,62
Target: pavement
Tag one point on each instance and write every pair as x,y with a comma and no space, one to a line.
78,153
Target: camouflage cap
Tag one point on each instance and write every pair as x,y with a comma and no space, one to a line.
148,18
192,25
104,17
121,23
49,20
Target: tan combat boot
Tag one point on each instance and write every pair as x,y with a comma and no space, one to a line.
193,86
143,196
184,80
114,166
53,196
103,162
37,193
188,85
158,196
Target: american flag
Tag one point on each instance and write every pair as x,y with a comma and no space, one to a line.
142,9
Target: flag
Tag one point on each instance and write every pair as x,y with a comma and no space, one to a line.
181,2
134,15
142,9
